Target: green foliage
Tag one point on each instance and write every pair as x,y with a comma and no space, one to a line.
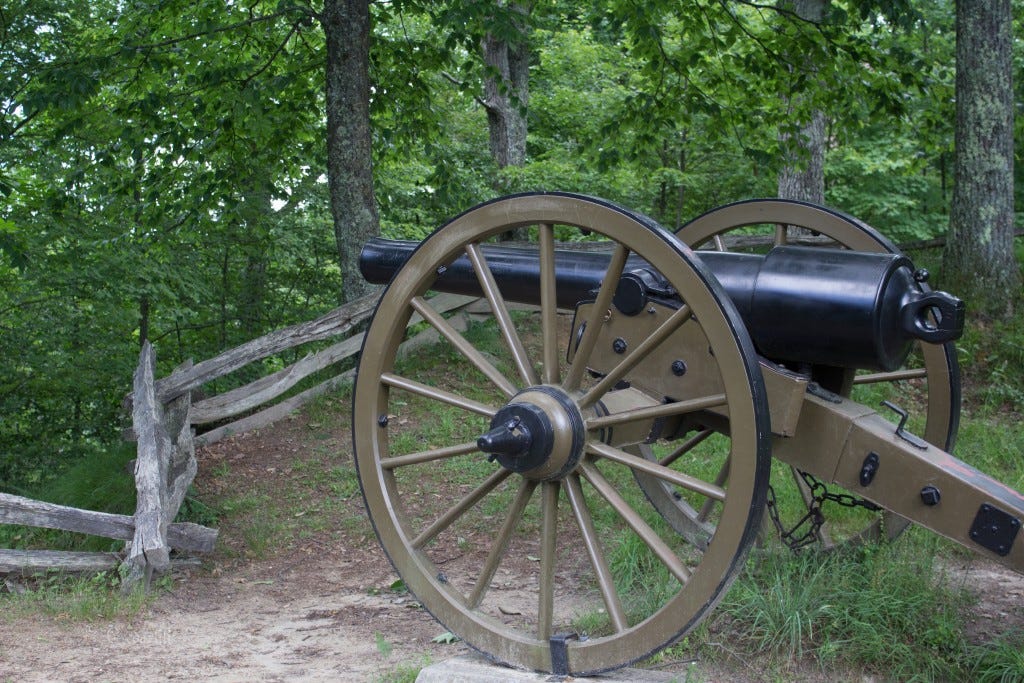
161,163
879,179
998,662
89,598
992,354
158,171
384,647
886,608
102,482
405,672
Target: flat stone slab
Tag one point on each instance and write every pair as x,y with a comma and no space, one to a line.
476,669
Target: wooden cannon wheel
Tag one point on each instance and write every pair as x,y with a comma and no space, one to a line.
934,365
553,560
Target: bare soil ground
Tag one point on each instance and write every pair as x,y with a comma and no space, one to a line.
303,593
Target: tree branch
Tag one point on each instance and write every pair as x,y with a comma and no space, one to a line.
223,29
462,84
280,48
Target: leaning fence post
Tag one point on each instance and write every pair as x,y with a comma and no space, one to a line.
148,550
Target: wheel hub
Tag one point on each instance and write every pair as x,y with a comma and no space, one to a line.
539,434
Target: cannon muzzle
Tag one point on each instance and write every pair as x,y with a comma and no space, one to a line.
832,307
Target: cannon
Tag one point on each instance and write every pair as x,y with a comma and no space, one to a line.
591,495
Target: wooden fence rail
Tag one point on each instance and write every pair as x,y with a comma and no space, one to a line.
183,536
165,421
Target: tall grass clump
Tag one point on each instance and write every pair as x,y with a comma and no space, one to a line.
94,597
998,662
884,608
103,482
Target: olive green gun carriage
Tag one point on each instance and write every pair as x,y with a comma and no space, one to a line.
590,495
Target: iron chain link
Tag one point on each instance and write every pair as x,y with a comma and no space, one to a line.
805,531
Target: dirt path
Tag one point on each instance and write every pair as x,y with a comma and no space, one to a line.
313,601
331,619
235,628
297,591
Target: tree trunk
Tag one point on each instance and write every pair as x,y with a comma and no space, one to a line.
979,261
803,172
506,90
346,26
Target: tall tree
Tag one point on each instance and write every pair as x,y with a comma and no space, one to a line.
506,52
802,175
979,259
346,26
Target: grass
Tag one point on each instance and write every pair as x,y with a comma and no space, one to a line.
311,496
889,610
73,598
885,608
405,672
998,662
102,483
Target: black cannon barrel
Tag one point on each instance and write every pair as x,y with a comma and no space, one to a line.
821,306
515,269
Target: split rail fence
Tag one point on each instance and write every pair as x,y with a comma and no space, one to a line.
165,423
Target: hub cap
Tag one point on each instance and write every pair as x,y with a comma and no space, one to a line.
539,434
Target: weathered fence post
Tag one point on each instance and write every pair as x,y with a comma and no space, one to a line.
148,550
181,466
164,468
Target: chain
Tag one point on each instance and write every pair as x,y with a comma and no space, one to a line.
805,531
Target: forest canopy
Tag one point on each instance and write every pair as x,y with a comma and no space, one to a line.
164,166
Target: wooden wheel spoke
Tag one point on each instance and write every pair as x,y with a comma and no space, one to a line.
602,572
654,412
421,457
460,508
648,535
501,314
642,350
709,504
548,545
462,345
781,234
427,391
500,545
654,469
597,314
686,447
548,304
895,376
